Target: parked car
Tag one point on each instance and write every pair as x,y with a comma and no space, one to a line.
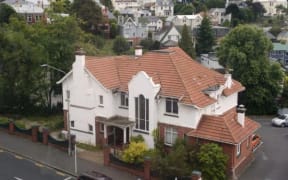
93,175
256,141
280,120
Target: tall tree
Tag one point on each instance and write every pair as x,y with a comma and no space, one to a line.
89,13
108,4
205,37
120,45
60,6
186,43
245,49
5,12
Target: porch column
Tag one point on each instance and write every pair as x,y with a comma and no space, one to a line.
105,134
130,133
124,135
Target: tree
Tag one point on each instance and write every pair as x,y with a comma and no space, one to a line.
180,9
245,49
89,13
60,6
120,45
215,4
186,42
205,37
108,4
212,161
5,12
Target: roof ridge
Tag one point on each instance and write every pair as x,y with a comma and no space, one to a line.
117,71
225,122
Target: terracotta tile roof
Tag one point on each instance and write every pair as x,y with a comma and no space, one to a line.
224,128
179,75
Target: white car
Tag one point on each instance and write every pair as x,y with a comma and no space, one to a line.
280,120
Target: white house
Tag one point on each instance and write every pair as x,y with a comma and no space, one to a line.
270,6
210,61
164,8
191,21
153,23
218,17
109,99
122,4
169,36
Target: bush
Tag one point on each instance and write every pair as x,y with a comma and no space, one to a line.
137,139
135,153
120,45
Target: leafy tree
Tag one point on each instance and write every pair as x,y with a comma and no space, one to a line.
108,4
89,13
212,161
205,37
283,101
60,6
186,42
215,4
114,30
5,12
135,153
245,49
120,45
182,9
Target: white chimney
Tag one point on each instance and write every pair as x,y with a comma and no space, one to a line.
228,78
79,64
241,115
138,51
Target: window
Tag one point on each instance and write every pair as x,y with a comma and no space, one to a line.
72,124
101,100
90,127
67,94
171,106
29,18
238,151
124,99
171,135
101,127
142,113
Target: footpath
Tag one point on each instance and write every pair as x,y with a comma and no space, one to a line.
60,160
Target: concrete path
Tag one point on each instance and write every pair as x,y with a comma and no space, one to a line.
58,159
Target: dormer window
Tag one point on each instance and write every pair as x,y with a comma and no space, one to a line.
171,106
124,100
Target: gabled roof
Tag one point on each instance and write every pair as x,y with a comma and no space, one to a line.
224,128
179,75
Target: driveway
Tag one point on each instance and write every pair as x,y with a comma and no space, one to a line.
271,161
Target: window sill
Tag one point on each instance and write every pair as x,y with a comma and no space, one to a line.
171,115
140,131
123,107
101,106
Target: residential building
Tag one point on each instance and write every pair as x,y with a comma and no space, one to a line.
283,36
132,30
218,17
164,8
280,53
153,23
168,36
135,13
210,61
31,12
109,99
123,4
191,21
270,6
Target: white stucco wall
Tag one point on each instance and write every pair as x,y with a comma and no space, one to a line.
141,83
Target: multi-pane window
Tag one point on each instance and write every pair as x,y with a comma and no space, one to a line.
142,113
124,100
171,105
171,135
72,124
101,127
90,127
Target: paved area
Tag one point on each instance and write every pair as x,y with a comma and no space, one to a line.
58,159
271,158
19,168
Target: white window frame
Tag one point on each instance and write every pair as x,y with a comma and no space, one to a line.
124,101
172,101
173,135
238,149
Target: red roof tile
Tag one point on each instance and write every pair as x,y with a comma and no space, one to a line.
179,75
224,128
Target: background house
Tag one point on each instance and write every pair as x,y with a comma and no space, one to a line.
280,53
164,8
218,17
191,21
270,6
110,99
153,23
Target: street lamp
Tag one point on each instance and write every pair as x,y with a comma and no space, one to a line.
68,101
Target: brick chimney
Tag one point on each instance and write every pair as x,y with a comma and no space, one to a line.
241,115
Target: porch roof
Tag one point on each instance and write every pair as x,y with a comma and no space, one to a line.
117,121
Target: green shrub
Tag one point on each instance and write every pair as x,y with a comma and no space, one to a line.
137,139
135,153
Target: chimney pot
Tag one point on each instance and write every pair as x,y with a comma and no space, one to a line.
241,114
138,51
80,52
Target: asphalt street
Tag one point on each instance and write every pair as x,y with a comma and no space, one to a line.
13,167
271,158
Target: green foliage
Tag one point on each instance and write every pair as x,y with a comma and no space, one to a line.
107,3
135,153
5,12
88,147
215,4
186,42
114,30
180,9
149,44
283,101
137,139
275,30
60,6
245,49
205,37
89,14
120,45
212,161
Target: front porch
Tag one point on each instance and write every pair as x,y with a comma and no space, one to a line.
116,131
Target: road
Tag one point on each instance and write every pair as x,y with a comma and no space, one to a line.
271,158
13,167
